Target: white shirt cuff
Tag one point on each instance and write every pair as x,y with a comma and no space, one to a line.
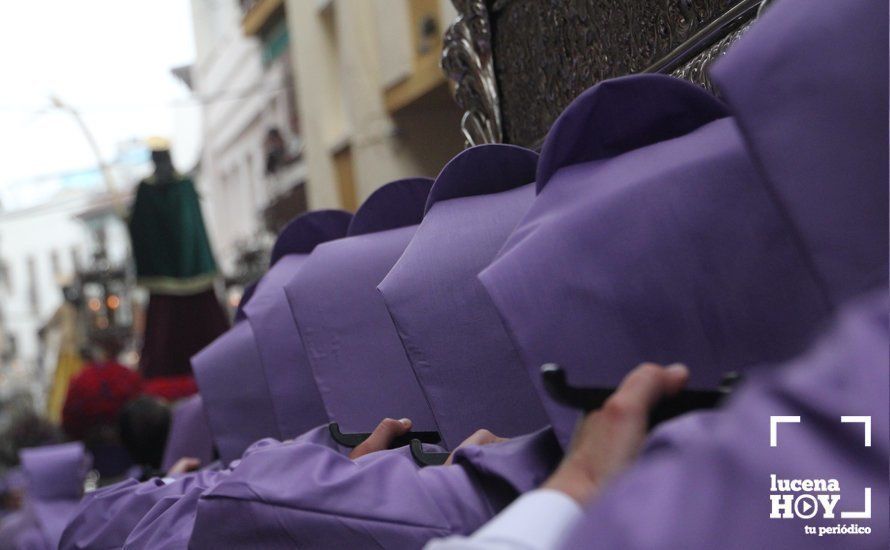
535,521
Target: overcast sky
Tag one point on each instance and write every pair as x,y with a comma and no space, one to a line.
110,59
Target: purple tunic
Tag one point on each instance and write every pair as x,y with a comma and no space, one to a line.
232,379
169,520
384,499
820,136
189,434
252,367
808,85
460,353
291,391
682,250
669,251
55,476
725,457
356,357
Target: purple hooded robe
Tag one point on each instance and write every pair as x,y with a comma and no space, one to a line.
305,495
687,245
106,517
333,294
55,476
256,365
707,460
355,355
808,84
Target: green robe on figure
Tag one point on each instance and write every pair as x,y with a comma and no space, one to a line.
170,244
175,263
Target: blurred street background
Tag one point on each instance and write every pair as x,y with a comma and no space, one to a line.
271,107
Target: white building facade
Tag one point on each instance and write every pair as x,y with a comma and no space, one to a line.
246,91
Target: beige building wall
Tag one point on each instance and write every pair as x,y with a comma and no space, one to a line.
373,103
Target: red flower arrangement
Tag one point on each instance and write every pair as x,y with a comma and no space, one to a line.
96,395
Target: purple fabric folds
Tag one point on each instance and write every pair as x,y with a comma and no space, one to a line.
306,496
105,517
808,85
291,390
670,252
189,434
460,353
725,457
54,476
231,381
355,354
256,366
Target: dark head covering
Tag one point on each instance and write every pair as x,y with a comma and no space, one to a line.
392,206
302,234
668,251
458,348
236,372
356,357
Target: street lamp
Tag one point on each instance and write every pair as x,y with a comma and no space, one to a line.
100,162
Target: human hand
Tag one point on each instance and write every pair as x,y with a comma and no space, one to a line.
479,437
382,437
184,465
607,440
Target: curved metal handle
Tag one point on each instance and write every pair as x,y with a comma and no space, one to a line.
423,458
591,399
353,440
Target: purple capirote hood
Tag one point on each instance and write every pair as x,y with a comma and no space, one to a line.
808,86
355,355
235,373
671,251
459,351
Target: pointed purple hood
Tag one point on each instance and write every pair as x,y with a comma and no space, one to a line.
664,247
460,353
255,365
356,357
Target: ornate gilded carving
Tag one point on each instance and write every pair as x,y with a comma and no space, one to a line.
548,51
467,61
518,63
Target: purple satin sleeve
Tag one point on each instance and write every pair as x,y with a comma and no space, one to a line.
21,530
106,516
382,499
153,514
704,481
329,501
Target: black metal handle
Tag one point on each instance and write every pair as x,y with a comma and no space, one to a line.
591,399
423,458
353,440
